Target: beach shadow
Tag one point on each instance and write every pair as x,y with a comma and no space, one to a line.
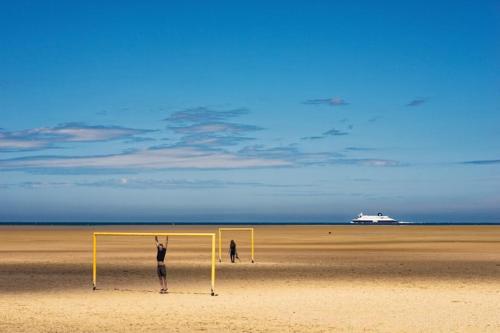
53,277
154,291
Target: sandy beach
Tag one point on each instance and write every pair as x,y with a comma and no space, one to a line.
305,279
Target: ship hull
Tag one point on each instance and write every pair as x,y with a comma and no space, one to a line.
376,223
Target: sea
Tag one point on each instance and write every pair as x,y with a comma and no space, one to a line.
58,223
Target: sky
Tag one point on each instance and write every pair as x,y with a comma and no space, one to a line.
261,111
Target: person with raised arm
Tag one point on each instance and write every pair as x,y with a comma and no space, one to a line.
161,268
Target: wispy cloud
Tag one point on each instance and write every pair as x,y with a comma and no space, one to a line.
366,162
203,126
212,140
140,183
335,101
331,132
219,128
290,153
137,139
204,114
185,157
48,137
312,137
15,143
145,159
296,157
359,149
319,193
35,184
372,162
133,183
482,162
334,132
374,119
202,139
417,102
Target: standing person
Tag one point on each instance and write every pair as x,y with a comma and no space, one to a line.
161,268
232,251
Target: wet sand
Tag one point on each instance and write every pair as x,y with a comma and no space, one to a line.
356,279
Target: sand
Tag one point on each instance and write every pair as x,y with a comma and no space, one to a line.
356,279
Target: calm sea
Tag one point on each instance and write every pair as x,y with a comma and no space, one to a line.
233,223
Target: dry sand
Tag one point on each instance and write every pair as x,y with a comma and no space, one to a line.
356,279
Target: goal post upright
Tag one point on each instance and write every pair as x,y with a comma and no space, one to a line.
94,261
94,241
252,246
213,265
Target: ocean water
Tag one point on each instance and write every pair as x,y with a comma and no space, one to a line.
48,223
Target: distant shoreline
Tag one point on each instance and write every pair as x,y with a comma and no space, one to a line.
234,223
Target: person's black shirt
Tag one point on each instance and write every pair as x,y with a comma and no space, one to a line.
160,255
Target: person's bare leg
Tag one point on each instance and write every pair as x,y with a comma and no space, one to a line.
161,283
165,284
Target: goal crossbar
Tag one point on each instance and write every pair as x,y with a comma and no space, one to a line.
94,238
237,229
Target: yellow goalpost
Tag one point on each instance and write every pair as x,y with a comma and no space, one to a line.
237,229
94,265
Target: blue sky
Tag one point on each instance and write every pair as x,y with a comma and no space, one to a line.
249,111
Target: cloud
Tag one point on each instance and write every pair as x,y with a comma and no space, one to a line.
374,119
316,193
212,140
298,158
219,128
161,184
35,184
334,132
137,139
482,162
323,160
48,137
131,183
203,114
290,153
185,157
202,139
283,152
14,143
417,102
78,132
335,101
359,149
372,162
202,126
145,159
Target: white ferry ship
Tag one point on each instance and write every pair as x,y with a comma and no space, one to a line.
374,219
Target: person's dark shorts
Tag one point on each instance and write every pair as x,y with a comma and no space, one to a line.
162,271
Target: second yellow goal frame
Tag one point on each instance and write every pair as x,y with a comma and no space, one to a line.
237,229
